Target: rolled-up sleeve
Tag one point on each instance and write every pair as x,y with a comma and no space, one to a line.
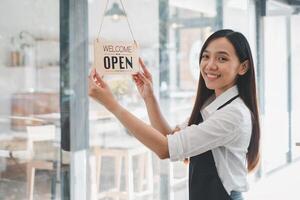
217,130
175,147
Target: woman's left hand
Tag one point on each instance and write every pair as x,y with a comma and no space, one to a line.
100,91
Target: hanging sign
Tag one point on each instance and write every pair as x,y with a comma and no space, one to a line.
112,57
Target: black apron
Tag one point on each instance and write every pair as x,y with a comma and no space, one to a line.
204,181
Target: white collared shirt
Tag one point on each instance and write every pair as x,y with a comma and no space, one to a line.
226,132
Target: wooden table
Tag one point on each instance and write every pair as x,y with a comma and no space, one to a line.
14,146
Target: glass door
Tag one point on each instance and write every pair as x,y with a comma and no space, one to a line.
169,43
29,100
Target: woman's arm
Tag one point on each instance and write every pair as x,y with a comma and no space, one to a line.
156,118
149,136
144,84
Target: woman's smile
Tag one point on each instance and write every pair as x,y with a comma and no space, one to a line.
211,76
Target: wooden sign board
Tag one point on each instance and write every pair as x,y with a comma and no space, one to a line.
116,57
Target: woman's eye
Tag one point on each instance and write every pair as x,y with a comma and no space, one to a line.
204,56
222,59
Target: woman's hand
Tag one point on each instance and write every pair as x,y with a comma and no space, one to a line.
143,81
100,91
176,129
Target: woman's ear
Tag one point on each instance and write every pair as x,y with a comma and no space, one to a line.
243,67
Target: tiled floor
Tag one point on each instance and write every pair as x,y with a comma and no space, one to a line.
282,184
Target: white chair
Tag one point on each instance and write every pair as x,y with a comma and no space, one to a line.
42,156
144,183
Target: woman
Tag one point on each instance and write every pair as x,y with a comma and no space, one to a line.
222,135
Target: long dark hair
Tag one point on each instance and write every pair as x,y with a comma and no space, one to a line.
246,86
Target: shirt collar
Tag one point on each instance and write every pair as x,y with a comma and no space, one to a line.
219,101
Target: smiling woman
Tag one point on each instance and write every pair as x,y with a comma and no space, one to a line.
220,65
218,140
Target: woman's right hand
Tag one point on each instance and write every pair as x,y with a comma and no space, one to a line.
143,81
176,129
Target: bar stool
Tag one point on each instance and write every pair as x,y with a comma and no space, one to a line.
143,174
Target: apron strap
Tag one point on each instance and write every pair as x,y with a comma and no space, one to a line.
228,102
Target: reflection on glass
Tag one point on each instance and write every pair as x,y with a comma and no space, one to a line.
29,90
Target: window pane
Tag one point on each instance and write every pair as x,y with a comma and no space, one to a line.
275,123
177,39
122,166
295,29
29,99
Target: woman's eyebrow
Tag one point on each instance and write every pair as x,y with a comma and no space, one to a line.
218,52
223,52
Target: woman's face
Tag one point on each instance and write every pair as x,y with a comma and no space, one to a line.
220,65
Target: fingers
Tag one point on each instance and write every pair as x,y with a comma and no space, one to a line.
142,77
137,80
141,62
93,73
145,70
97,75
97,78
93,78
92,81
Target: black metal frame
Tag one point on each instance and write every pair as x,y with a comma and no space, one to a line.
73,86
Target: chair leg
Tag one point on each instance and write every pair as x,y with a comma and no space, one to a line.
141,176
98,171
149,172
118,170
129,177
53,182
30,180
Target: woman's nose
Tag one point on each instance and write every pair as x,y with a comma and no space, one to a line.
211,64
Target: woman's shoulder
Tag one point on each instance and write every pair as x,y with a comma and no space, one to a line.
239,109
